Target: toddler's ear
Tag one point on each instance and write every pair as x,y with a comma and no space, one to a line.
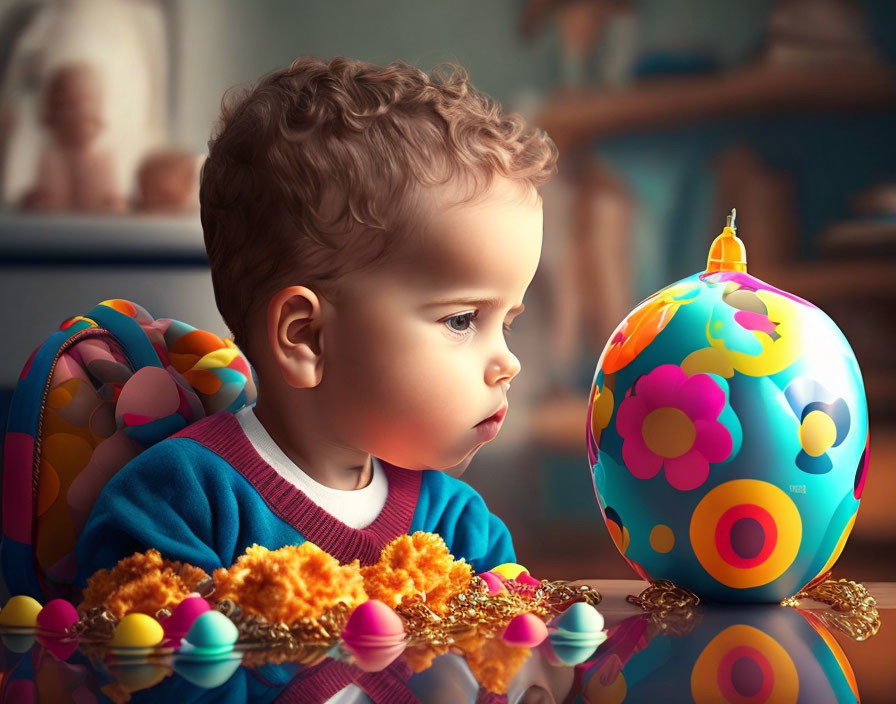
294,335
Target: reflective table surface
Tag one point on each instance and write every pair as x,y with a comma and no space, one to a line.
712,653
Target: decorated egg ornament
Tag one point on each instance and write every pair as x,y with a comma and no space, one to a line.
728,435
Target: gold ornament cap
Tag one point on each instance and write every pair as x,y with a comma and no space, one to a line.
727,252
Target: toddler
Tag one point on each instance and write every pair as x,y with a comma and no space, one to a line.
371,232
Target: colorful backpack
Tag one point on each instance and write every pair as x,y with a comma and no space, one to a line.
98,392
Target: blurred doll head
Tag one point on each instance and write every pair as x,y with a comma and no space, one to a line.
168,182
73,105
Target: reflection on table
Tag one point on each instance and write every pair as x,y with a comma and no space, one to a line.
708,653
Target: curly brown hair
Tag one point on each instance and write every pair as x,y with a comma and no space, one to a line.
316,168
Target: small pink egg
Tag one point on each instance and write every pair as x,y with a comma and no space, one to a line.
525,631
526,578
375,658
546,651
57,616
178,624
59,648
494,583
373,620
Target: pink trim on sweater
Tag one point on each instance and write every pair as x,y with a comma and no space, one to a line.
222,434
318,683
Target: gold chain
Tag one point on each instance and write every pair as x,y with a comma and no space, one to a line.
853,610
96,626
306,641
487,614
672,608
664,595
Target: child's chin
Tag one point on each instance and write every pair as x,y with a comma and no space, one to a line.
455,470
447,463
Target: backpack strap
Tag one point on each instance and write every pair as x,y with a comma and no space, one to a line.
129,334
19,457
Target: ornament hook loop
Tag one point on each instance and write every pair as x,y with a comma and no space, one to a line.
727,252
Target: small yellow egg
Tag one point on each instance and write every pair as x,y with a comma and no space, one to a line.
509,570
133,677
137,631
20,612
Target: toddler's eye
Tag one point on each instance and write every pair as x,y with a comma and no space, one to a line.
462,322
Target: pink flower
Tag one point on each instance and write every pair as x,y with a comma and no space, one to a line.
670,421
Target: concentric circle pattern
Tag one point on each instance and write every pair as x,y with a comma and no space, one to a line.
746,533
743,665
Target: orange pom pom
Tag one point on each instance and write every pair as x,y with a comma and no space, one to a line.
417,566
492,661
142,583
285,585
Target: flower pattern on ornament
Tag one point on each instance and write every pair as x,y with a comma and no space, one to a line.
670,421
642,325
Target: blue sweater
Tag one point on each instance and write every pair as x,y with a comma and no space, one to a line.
204,496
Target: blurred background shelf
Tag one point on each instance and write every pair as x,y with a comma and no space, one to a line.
820,280
95,238
578,116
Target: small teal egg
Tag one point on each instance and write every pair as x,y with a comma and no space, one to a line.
212,629
574,654
207,674
18,642
580,618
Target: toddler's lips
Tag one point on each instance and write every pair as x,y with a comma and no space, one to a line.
489,427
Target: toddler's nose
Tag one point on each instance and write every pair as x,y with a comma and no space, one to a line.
502,368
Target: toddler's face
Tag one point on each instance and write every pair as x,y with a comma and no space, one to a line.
416,362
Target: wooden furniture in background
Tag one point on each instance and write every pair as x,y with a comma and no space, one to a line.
586,115
857,292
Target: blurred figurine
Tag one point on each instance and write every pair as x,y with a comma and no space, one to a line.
766,206
9,116
168,182
74,174
808,32
587,27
